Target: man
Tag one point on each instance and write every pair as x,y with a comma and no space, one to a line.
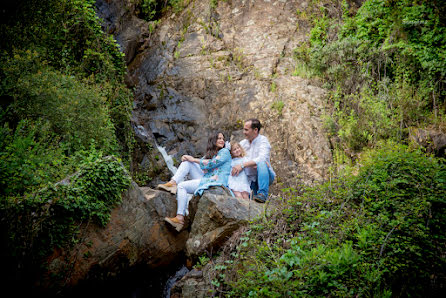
258,168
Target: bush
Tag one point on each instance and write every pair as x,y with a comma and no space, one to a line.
39,222
30,157
379,233
63,106
386,67
405,194
76,112
60,45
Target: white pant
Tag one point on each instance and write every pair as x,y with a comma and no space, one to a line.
195,173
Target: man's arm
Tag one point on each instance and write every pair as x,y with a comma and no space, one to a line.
263,155
238,168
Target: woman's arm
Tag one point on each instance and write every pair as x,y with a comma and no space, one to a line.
193,159
222,157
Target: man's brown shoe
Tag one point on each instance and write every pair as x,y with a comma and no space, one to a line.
174,222
169,186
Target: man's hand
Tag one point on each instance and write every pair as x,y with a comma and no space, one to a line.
236,170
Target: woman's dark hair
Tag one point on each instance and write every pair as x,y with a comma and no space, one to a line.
212,149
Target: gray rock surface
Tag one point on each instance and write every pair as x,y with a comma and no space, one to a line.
432,140
216,218
192,284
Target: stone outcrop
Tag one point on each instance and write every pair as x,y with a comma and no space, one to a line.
136,234
216,218
207,67
192,284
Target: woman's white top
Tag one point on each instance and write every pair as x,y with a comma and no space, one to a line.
239,182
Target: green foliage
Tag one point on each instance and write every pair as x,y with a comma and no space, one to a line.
29,158
278,106
405,195
50,217
148,9
377,234
58,60
62,91
386,67
151,10
213,4
202,261
67,33
77,112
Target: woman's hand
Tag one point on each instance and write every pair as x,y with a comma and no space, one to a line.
187,158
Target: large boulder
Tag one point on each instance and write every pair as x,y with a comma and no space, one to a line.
218,215
192,284
136,234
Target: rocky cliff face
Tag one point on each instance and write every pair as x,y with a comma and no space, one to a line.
207,67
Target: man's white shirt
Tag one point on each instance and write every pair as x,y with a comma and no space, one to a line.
258,150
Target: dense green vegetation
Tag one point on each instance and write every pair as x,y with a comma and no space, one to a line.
385,65
377,234
64,108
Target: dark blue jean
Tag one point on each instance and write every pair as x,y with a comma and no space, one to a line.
265,176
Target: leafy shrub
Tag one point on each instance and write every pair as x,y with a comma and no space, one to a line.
76,112
405,195
61,44
62,91
39,222
379,233
30,157
385,64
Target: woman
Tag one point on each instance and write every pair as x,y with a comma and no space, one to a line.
215,166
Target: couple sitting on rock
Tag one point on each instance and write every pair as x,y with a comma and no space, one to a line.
248,169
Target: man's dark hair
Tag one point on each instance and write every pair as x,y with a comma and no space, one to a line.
255,123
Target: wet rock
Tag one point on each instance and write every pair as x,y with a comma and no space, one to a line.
191,285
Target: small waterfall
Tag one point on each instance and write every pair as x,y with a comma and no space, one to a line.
141,132
167,158
171,281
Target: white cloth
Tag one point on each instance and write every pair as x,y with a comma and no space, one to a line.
259,151
185,189
187,168
239,182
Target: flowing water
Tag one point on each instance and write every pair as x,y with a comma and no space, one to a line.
139,282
